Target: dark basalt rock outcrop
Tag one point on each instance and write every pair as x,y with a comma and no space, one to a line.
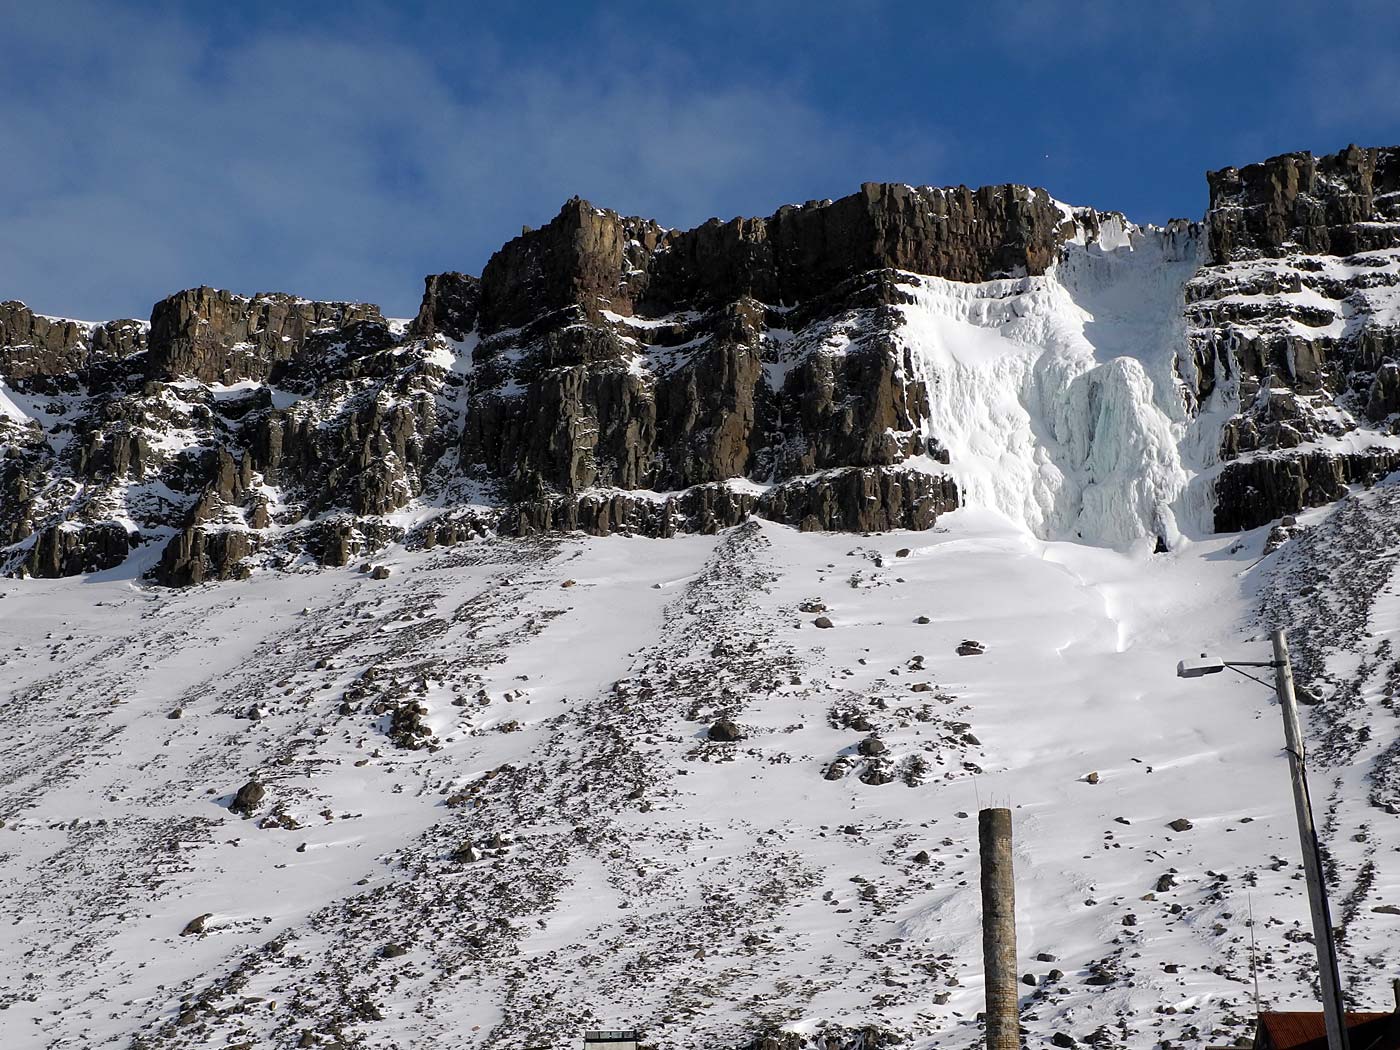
1333,205
450,304
1260,490
197,554
216,336
70,551
856,500
1294,320
606,374
617,354
34,348
596,259
589,414
801,253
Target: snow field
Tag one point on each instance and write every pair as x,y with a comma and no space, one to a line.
741,888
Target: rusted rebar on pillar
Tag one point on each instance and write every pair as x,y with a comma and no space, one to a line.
999,930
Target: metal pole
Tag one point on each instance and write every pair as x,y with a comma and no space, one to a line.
999,930
1333,1006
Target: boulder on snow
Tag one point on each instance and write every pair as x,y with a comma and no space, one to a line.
1181,824
196,925
971,648
725,731
823,622
249,797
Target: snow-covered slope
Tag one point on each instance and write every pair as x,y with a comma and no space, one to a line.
940,473
627,870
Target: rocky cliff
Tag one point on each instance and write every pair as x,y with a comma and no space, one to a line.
1297,314
605,373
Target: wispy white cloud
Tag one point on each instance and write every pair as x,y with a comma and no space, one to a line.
151,146
158,155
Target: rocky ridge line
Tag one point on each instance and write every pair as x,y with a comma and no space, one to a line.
607,374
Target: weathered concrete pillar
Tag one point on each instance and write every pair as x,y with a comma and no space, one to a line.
999,930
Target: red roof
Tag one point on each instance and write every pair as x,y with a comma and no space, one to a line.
1307,1030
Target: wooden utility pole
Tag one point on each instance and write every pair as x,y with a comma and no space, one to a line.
1333,1006
999,930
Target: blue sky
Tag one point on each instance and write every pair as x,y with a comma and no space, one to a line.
345,150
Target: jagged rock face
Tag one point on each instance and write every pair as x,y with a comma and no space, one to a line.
585,257
1334,205
1252,493
450,305
34,348
615,354
196,555
855,500
804,252
597,260
60,551
344,419
1297,316
657,361
219,337
607,374
700,400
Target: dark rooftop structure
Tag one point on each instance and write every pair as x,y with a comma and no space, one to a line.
1307,1030
615,1040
